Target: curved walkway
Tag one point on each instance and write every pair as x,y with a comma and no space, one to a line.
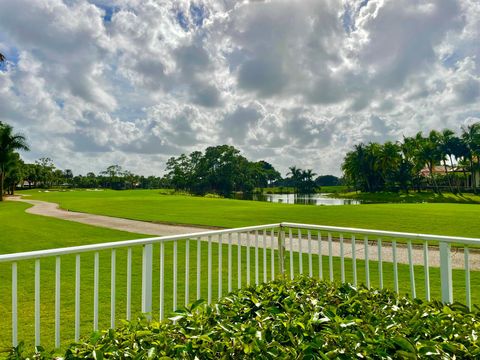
148,228
139,227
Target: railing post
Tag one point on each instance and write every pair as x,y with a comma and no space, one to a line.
147,262
281,250
446,272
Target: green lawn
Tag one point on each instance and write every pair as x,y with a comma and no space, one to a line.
23,232
150,205
411,197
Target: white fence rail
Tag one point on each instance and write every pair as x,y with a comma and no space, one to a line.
175,270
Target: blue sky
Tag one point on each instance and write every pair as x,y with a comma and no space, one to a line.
133,82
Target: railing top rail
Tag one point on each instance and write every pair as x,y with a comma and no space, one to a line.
151,240
393,234
126,243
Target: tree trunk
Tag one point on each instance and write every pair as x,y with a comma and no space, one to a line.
1,184
434,182
451,164
472,177
448,176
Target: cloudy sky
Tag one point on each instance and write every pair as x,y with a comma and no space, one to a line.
133,82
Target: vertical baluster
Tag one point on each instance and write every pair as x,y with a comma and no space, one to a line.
367,263
354,261
57,301
113,274
291,253
427,270
77,297
330,256
37,302
281,251
272,253
380,262
466,251
220,250
162,280
395,266
147,276
96,274
230,275
264,240
320,265
14,305
446,271
209,270
310,264
412,274
129,284
239,260
256,257
187,272
248,259
300,252
175,271
342,259
199,259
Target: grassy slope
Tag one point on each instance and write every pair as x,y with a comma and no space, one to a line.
444,219
412,197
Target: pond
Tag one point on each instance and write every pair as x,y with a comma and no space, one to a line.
304,199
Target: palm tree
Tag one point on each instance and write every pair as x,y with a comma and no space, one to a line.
429,153
9,142
296,174
471,137
389,160
350,168
446,145
461,152
307,183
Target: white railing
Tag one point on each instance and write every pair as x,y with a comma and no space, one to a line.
282,249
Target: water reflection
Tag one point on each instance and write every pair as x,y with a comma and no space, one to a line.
304,199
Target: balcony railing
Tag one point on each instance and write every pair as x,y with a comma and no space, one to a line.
176,270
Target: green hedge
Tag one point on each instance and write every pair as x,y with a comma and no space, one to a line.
300,319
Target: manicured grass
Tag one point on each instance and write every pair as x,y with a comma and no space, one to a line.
412,197
333,189
150,205
23,232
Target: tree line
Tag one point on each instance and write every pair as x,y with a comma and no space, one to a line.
219,169
439,160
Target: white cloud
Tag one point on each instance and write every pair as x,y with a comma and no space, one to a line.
294,82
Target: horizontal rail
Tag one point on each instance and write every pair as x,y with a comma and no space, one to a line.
394,234
126,243
119,244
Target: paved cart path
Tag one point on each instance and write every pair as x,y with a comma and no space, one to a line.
142,227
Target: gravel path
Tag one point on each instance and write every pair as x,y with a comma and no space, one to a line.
149,228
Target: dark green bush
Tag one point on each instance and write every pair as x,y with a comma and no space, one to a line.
300,319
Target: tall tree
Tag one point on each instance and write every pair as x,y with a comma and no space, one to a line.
447,142
9,143
46,171
471,137
296,175
429,154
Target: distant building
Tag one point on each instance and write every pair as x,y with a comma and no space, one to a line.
440,170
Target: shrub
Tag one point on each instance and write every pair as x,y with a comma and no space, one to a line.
300,319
